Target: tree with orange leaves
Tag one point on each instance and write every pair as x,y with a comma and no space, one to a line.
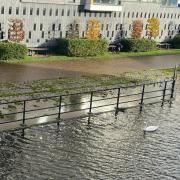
136,29
153,27
93,29
16,32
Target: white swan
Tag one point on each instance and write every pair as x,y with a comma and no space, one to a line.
150,128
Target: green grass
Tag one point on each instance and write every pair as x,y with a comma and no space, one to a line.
106,56
79,84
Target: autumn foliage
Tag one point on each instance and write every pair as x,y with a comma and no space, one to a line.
93,29
136,29
16,31
73,30
153,27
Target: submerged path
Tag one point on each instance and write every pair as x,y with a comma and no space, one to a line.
48,70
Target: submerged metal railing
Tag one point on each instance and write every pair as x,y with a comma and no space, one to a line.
119,100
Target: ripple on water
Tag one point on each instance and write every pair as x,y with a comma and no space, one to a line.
110,148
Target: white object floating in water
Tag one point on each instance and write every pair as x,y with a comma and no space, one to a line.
150,128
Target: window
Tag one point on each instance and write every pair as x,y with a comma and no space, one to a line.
107,26
42,35
62,13
17,11
53,27
132,14
2,10
102,27
59,28
68,12
50,12
44,12
24,11
34,27
41,27
31,11
30,35
56,13
2,35
145,15
137,15
60,34
117,25
10,10
141,15
37,12
165,27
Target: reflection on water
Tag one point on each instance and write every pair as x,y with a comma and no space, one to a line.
112,148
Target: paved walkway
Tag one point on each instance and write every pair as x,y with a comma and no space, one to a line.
48,70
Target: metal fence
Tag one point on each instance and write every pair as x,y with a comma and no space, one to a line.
95,102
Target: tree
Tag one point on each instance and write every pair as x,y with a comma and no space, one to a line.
93,29
153,27
73,30
16,31
136,29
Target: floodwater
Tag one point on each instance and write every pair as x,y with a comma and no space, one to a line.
109,148
49,70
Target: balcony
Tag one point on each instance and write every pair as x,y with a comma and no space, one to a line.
103,5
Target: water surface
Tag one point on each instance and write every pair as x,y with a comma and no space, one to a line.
109,148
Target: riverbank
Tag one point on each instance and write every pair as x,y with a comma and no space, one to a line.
18,90
71,69
107,56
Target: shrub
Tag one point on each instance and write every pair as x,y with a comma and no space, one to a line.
82,47
138,45
176,42
10,50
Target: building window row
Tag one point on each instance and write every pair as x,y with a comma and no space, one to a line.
149,15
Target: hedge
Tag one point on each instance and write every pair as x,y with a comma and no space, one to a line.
82,47
176,42
11,50
138,45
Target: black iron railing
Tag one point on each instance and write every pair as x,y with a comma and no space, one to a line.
94,102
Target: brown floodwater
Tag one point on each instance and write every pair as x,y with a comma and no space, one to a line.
48,70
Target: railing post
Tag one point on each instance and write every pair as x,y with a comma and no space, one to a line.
142,98
59,112
117,104
164,94
24,112
90,107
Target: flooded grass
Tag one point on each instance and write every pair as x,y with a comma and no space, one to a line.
11,91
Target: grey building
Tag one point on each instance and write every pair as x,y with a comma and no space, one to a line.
46,20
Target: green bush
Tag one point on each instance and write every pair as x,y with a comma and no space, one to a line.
11,50
82,47
176,42
138,45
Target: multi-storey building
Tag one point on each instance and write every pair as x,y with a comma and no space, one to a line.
46,20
